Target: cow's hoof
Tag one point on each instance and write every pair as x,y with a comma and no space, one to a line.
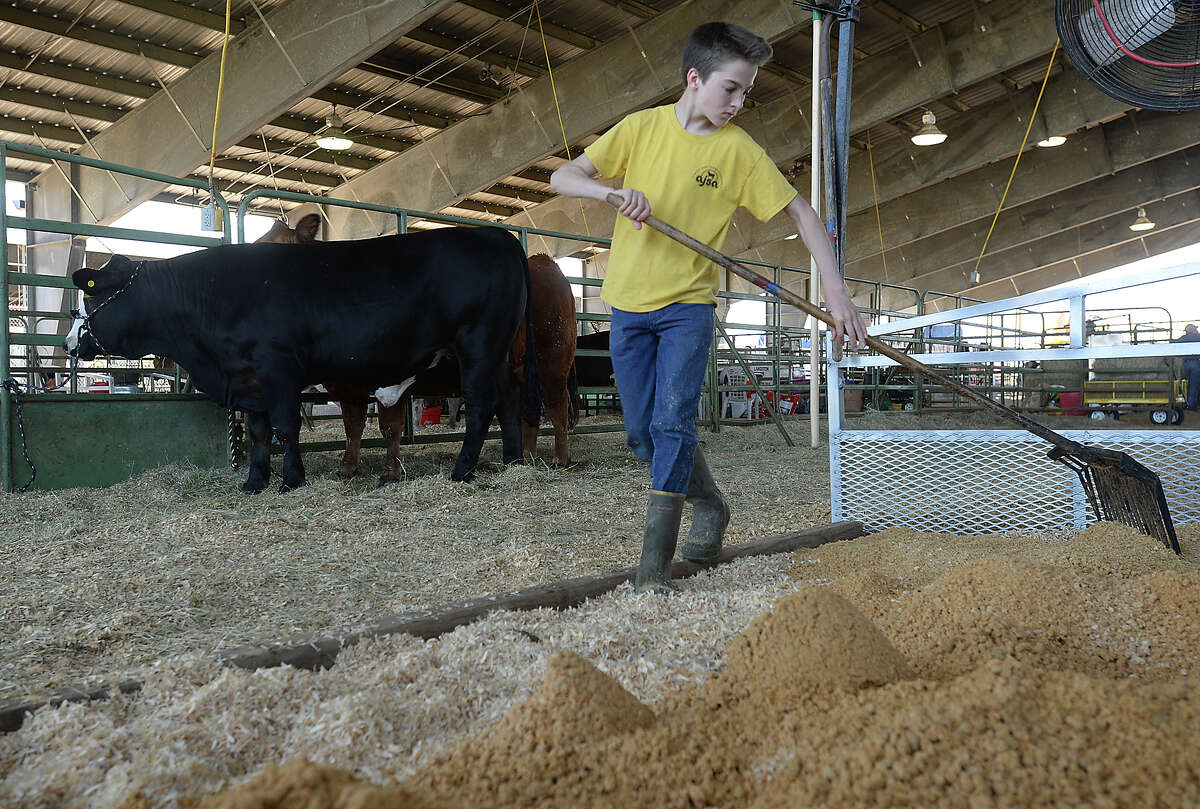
254,486
465,478
346,475
287,487
384,480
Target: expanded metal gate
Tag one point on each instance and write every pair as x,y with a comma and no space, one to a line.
977,481
986,481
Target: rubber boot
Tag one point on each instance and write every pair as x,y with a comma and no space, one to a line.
710,514
663,513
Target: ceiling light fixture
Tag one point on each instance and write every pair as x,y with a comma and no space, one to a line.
928,134
334,137
1142,222
974,276
1052,141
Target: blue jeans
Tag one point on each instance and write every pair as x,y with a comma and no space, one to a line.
659,360
1191,372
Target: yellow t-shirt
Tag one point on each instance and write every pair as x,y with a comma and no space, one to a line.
694,182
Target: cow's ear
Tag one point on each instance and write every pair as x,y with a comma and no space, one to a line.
308,227
108,278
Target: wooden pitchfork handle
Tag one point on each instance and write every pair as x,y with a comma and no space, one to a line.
886,350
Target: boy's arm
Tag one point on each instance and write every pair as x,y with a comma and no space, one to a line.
847,321
575,179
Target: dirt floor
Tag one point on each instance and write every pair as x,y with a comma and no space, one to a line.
900,669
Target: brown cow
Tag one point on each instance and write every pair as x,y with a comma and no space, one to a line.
554,342
305,231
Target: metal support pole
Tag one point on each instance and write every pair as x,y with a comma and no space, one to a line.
6,479
814,277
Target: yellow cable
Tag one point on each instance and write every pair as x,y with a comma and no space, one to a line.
212,154
554,92
878,222
1021,151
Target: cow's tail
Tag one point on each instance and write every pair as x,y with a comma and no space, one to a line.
531,390
574,402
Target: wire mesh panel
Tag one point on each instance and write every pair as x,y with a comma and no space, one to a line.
987,481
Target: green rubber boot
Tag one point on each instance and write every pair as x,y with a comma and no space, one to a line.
663,513
710,514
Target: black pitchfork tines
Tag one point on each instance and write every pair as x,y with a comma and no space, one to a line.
1122,490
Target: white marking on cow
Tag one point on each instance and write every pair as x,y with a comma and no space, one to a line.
439,355
391,394
73,335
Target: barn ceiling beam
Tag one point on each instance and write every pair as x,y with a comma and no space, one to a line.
559,32
958,247
885,87
89,77
83,76
1014,267
82,33
45,101
261,83
179,11
256,169
1100,257
86,32
392,65
599,87
476,52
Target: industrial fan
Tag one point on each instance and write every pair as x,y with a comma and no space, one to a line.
1144,52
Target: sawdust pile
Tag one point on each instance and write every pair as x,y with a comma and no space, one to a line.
906,670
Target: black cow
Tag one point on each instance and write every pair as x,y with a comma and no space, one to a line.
591,372
594,372
255,323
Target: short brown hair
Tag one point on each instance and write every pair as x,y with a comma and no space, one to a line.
715,43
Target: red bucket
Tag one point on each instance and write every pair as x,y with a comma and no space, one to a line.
1069,401
431,416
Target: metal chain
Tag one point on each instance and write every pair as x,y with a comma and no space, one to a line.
14,389
87,316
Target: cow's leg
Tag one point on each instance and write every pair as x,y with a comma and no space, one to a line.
558,406
529,439
480,393
259,427
453,405
285,419
391,427
354,419
508,409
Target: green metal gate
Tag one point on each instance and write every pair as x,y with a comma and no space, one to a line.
76,439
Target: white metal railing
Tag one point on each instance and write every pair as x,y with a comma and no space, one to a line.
983,481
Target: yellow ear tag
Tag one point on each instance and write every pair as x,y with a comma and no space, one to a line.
91,283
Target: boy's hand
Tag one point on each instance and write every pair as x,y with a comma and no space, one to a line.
635,206
847,322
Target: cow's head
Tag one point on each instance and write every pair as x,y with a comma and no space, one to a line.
304,232
101,288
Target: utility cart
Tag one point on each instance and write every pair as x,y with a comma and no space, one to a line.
1123,386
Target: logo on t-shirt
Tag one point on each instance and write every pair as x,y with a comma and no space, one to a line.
708,177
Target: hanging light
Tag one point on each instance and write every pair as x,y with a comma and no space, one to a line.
974,276
1052,141
1142,222
334,137
928,134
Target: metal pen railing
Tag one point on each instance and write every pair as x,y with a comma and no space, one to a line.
34,339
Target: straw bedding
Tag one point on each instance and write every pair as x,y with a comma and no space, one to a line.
96,582
901,669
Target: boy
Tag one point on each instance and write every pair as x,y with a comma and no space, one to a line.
696,169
